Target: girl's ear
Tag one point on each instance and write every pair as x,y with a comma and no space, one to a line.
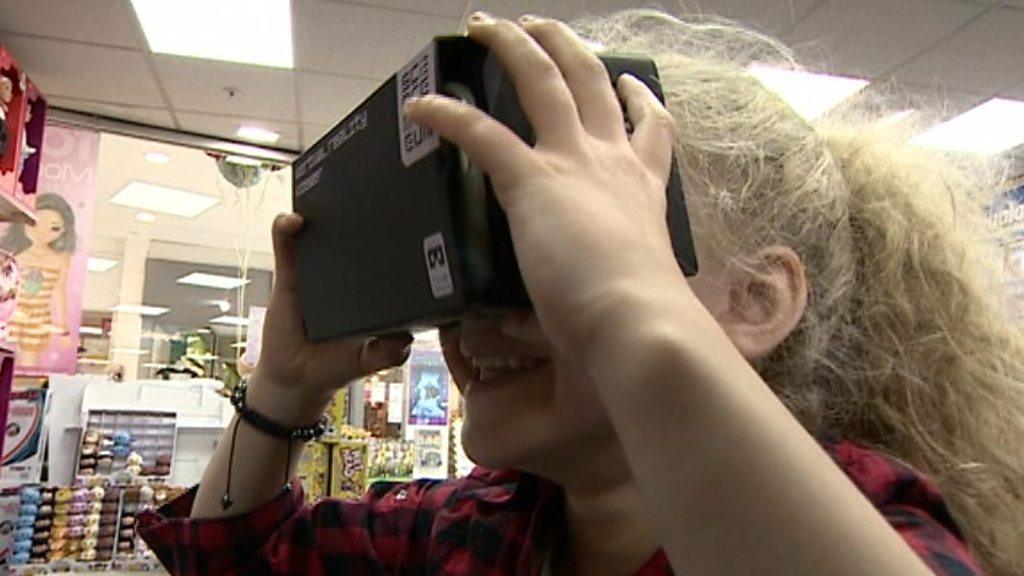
764,301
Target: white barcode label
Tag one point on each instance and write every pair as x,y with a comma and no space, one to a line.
441,284
417,78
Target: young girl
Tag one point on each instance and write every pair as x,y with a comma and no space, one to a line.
44,253
776,414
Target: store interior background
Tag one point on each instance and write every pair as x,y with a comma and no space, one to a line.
93,58
165,119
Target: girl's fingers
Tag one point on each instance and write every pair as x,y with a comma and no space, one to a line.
584,74
543,94
653,126
284,229
488,143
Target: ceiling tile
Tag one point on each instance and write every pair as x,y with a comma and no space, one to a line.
772,16
226,126
326,99
196,85
983,58
100,21
83,71
868,37
149,116
563,9
934,103
1015,92
354,40
448,8
313,132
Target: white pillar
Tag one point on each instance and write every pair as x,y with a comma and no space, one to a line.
126,327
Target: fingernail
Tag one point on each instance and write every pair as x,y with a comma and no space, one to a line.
480,18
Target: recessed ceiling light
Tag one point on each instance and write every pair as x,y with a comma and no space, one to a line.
230,320
145,217
202,330
158,158
212,280
257,134
163,199
990,128
244,161
140,309
90,330
810,94
94,264
239,345
243,31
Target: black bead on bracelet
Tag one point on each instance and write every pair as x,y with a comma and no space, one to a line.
267,426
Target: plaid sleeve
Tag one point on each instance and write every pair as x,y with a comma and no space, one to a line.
385,532
911,504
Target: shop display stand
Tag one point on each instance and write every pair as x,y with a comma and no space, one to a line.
123,460
6,381
18,179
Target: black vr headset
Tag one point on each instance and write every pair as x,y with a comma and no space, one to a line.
401,230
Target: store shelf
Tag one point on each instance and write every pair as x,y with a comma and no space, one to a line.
14,210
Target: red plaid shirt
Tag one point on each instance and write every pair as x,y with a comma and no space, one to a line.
490,523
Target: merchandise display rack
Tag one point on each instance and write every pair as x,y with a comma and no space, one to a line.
19,176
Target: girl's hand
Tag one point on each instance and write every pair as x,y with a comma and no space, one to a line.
296,377
586,204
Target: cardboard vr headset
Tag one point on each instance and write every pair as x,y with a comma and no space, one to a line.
401,230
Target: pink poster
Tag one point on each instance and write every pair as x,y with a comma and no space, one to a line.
52,253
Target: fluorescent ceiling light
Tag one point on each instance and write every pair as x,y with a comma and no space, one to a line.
145,217
212,280
230,320
202,330
239,345
163,199
155,365
990,128
140,309
811,95
158,158
243,31
244,161
90,330
222,305
129,351
94,264
257,134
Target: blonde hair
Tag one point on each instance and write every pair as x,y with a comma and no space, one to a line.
905,345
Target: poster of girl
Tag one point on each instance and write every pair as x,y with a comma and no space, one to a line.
44,252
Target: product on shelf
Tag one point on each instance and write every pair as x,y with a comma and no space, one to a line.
122,445
390,459
21,511
314,471
348,470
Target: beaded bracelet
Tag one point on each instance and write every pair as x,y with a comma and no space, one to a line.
267,426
